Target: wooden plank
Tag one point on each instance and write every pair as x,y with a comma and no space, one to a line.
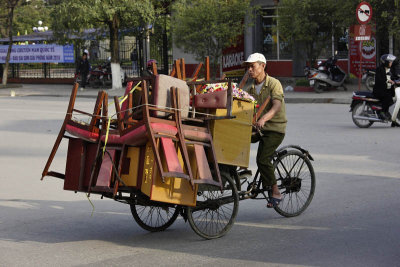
104,177
131,177
170,155
235,131
202,163
183,69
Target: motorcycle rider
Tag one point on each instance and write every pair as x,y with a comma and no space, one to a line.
383,89
395,70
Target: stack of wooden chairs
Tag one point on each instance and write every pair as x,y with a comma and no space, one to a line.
159,115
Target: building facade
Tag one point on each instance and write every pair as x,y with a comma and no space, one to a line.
284,59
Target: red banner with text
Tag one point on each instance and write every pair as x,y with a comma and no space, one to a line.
361,51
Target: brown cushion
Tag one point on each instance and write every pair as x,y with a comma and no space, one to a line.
194,135
161,95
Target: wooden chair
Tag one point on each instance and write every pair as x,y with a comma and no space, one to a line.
159,126
179,70
88,132
197,132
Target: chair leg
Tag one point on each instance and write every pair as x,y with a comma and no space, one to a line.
53,151
68,116
121,159
95,166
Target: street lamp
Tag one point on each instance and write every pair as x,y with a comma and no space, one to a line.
40,28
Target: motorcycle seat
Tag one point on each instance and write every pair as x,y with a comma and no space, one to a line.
365,94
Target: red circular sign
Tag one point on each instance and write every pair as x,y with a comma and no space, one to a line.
364,12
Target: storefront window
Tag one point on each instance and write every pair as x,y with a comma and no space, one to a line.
277,47
285,48
274,46
342,45
269,40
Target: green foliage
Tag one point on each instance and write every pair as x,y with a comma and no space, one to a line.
312,22
71,17
205,27
27,15
302,82
352,76
388,14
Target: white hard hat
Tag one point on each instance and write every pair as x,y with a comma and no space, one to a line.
256,57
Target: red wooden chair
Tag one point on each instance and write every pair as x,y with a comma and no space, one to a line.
158,125
89,132
197,132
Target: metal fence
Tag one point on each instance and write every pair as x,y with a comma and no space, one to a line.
64,70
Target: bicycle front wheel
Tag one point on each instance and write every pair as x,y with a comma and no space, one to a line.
296,182
216,210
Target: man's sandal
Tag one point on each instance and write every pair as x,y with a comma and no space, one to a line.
273,202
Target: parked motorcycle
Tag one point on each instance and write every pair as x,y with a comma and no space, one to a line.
99,76
368,78
102,75
365,109
327,75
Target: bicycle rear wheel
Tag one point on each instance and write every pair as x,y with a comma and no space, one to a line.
154,218
215,211
296,182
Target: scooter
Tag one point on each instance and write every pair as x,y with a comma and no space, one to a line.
98,77
365,109
327,75
102,76
368,78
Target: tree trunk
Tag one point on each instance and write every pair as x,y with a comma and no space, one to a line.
114,48
10,28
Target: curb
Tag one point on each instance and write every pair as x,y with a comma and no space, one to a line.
49,95
318,101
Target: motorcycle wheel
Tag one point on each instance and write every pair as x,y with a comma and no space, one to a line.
369,83
358,110
318,88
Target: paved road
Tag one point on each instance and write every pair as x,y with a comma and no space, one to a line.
352,221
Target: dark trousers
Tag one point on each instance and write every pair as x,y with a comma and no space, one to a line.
268,143
83,78
386,99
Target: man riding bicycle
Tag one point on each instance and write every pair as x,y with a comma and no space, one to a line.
271,125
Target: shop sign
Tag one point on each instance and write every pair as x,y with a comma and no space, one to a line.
233,57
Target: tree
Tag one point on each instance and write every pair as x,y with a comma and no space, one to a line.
386,16
10,7
205,27
36,9
73,16
313,22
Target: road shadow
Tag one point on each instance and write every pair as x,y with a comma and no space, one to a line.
340,229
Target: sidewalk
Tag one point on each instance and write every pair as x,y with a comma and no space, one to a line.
335,96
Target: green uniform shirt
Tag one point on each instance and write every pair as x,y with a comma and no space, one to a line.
272,87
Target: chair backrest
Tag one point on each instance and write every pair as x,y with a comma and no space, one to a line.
161,96
124,105
212,100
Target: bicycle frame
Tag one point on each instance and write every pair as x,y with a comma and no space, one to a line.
255,188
